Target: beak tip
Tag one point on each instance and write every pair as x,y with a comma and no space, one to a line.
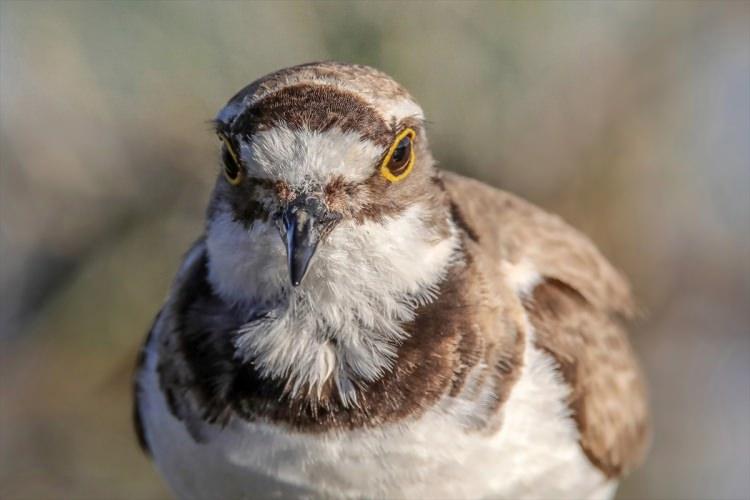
298,271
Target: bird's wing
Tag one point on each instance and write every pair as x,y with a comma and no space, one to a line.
573,311
186,266
515,231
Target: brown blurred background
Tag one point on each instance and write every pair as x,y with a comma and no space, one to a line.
631,119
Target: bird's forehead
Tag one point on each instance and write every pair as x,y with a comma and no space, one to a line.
318,108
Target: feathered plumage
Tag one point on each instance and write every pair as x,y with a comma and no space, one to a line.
448,340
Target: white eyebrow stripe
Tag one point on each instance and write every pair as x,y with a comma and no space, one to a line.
398,110
300,156
229,112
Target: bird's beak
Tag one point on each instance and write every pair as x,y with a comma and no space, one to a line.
306,221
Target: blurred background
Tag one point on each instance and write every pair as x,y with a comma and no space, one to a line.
631,119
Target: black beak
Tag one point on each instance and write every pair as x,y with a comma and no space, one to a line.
306,221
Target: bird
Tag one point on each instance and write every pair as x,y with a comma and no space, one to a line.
356,322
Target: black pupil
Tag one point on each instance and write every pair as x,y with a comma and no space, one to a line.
399,154
231,168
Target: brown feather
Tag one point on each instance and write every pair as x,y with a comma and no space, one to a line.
572,312
513,230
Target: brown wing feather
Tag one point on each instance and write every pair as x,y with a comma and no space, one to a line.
572,312
608,395
512,229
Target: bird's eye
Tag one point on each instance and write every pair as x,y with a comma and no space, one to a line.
232,168
399,160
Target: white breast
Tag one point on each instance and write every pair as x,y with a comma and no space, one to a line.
535,453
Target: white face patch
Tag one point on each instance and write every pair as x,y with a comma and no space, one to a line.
301,157
345,319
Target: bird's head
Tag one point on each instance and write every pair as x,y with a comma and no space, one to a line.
327,184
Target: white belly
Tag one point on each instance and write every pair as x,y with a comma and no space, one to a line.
535,453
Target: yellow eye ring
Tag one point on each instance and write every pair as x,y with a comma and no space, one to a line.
399,161
233,172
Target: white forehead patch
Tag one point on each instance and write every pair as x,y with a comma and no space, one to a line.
303,156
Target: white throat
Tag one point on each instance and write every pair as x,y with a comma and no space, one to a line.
345,321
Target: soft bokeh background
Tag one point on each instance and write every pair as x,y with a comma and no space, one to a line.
631,119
